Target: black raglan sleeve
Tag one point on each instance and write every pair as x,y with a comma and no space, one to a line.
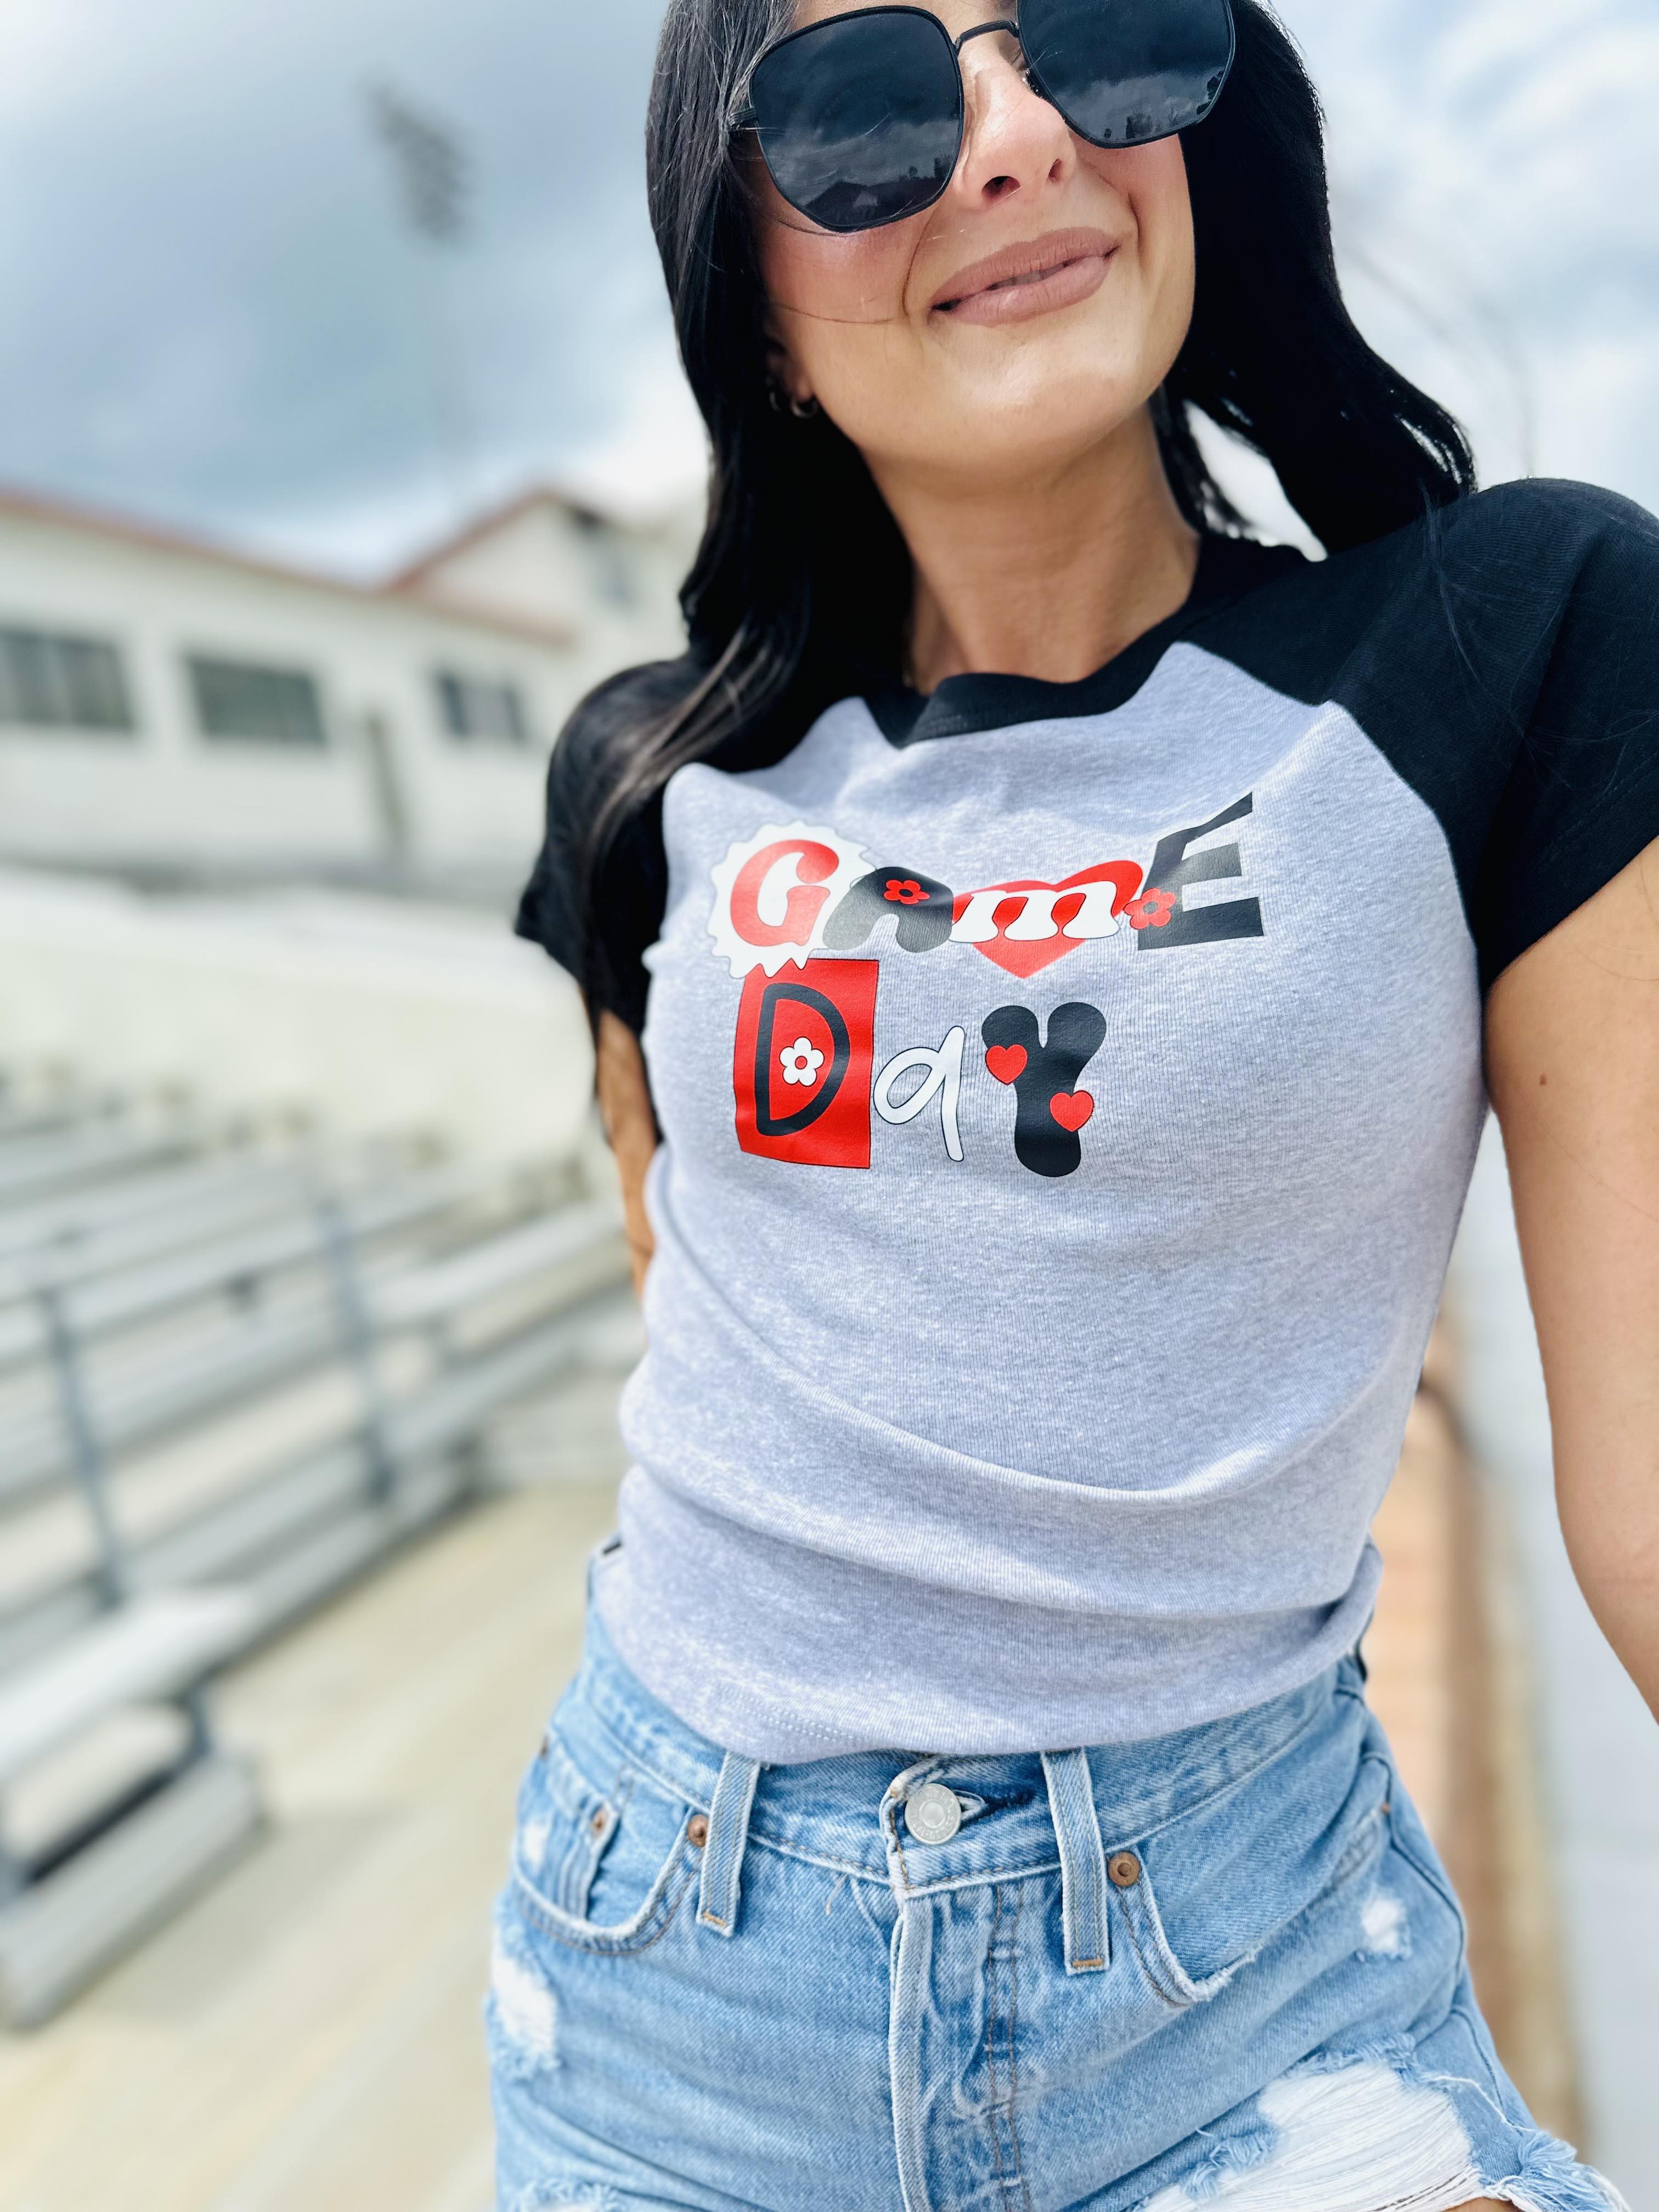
1580,796
604,948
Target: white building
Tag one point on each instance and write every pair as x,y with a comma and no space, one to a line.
173,710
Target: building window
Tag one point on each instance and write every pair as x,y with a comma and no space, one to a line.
470,708
265,706
610,565
52,682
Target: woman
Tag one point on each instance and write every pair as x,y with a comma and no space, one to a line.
1055,939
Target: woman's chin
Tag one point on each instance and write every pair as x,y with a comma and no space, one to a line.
998,450
1039,410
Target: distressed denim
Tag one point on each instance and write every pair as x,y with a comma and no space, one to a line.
1222,1965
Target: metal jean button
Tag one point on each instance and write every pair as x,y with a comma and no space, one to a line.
933,1813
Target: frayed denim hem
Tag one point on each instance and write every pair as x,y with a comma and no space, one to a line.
568,2197
1374,2126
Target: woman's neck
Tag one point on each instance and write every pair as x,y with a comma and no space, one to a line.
1048,578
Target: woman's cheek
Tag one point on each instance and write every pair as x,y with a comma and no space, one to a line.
814,277
1152,181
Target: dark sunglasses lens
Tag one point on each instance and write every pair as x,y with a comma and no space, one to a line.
860,118
1125,71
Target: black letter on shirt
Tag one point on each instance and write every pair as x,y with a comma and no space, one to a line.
923,909
782,992
1175,869
1049,1108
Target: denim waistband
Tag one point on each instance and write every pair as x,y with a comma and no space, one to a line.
838,1811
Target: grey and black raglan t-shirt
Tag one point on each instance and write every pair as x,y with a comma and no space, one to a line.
1069,1095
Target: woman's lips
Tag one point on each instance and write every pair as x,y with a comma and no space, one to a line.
1033,279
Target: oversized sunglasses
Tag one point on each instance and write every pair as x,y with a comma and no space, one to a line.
859,118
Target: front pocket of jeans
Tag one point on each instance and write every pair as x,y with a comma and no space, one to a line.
1217,1884
1168,1976
601,1870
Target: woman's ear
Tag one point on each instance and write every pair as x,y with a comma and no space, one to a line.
784,377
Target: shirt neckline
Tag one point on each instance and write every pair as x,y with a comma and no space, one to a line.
962,706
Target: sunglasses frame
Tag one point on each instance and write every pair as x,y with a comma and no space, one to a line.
747,118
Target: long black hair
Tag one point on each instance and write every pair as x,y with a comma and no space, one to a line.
800,591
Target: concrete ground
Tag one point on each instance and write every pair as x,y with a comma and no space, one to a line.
306,2038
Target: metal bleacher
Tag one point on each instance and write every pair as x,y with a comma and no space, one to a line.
237,1366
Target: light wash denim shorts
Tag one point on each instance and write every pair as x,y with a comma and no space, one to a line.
1224,1968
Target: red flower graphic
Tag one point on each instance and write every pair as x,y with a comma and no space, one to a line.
1151,910
905,890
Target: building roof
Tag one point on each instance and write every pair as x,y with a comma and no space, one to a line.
502,516
401,590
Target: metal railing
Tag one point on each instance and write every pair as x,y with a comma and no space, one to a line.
234,1373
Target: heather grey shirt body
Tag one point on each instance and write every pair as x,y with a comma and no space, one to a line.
1068,1097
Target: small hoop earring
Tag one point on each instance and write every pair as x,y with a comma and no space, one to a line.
774,397
803,410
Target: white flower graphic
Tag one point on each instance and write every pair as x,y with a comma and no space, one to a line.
801,1062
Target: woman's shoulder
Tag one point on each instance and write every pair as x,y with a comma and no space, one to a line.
1551,527
597,929
1519,569
1502,656
1498,582
1513,679
1549,591
1581,801
601,735
1540,504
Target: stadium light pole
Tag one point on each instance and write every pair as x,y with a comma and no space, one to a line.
432,174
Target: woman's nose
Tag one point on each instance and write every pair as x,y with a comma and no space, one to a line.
1013,141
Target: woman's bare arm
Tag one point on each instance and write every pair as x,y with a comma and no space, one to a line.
1572,1050
630,1128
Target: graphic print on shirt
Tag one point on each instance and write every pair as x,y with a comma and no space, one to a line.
804,1072
1049,1110
803,1061
795,889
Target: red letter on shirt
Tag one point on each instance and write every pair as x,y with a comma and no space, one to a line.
813,865
803,1062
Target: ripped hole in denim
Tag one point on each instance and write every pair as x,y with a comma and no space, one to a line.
523,2012
1351,2141
1365,2136
1385,1925
569,2196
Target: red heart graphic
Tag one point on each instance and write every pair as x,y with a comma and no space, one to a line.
1072,1108
1024,956
1006,1062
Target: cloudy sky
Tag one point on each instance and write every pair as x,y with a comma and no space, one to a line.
211,316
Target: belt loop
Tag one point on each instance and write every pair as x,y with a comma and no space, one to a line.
728,1835
1082,1860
